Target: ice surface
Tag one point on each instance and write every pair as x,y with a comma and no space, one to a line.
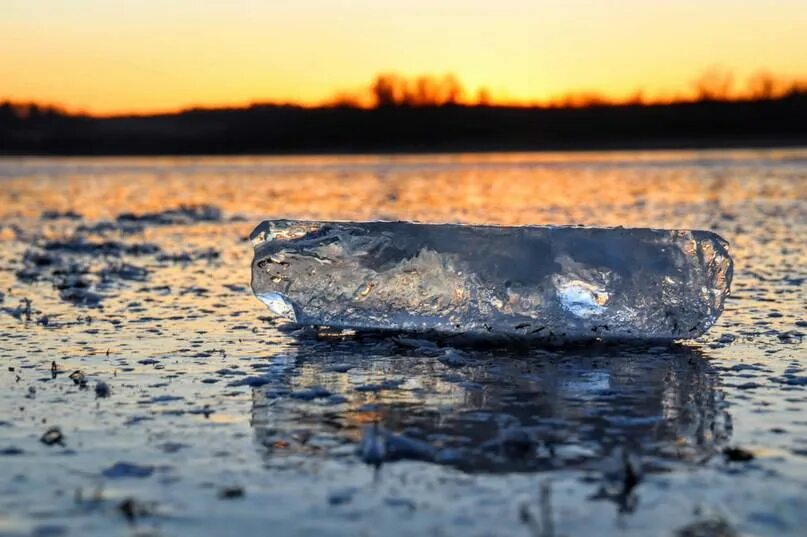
539,282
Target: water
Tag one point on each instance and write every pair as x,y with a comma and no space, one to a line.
219,420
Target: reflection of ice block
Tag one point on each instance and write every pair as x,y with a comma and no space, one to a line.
535,282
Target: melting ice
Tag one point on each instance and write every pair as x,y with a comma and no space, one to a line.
536,281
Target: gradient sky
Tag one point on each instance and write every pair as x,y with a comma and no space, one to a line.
105,56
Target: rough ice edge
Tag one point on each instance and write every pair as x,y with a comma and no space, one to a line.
285,307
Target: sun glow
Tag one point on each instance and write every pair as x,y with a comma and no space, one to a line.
148,56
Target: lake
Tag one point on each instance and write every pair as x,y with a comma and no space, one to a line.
144,389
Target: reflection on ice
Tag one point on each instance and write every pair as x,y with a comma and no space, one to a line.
490,410
581,298
279,305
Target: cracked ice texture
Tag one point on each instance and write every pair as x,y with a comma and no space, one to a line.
536,282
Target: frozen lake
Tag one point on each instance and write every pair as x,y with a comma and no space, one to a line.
193,413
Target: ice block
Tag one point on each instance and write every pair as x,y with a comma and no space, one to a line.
535,282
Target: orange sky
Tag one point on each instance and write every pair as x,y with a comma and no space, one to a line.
154,55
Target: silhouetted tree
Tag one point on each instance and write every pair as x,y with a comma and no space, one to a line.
388,90
715,84
394,90
762,86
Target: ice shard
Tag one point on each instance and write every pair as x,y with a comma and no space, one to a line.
542,282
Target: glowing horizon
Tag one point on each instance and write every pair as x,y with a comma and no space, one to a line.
151,56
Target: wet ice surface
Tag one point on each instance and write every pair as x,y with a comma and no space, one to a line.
144,389
550,283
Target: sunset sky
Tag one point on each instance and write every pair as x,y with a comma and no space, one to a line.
108,57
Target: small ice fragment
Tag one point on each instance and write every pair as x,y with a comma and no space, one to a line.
278,304
534,281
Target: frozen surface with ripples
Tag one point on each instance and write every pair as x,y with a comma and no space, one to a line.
179,399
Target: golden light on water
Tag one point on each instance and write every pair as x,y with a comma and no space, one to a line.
514,188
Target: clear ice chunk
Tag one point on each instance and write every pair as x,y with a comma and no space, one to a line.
541,282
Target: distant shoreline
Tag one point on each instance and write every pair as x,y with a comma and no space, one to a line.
291,130
684,145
